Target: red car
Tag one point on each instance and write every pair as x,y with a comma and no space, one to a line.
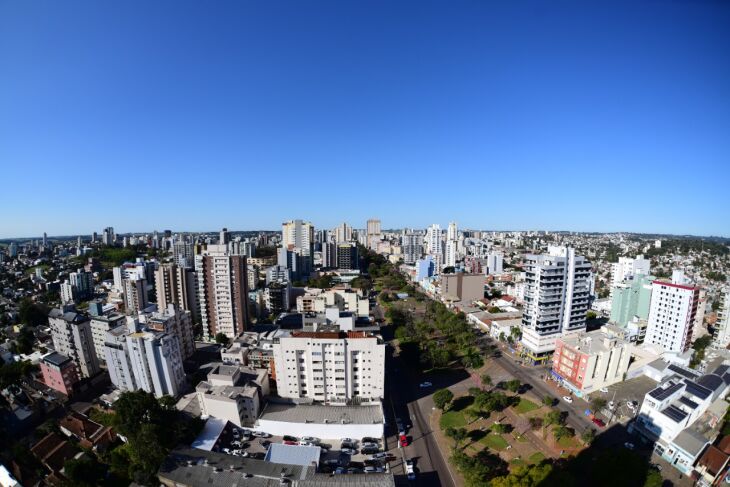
403,440
598,422
291,443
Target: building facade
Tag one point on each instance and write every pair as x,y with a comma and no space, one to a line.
72,337
672,315
59,373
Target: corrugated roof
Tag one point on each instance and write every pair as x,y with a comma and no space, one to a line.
293,454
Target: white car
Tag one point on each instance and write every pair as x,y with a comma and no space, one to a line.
260,434
310,439
425,384
306,443
632,405
379,456
604,390
567,399
349,451
611,404
629,445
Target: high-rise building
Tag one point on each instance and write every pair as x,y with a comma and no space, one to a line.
108,236
330,366
277,297
224,237
59,373
347,256
177,285
373,233
627,268
721,335
412,245
13,249
298,236
495,263
173,321
222,291
329,255
66,290
631,299
557,298
100,325
83,283
72,337
434,245
183,255
450,257
135,295
343,233
45,239
452,232
672,315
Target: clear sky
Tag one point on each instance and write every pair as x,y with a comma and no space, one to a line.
587,116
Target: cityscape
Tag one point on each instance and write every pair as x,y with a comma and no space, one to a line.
364,244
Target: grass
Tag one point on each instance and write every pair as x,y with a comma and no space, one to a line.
536,457
452,419
495,442
525,406
567,442
521,438
517,462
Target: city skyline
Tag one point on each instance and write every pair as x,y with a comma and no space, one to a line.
575,117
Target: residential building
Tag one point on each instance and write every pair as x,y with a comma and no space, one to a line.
117,356
462,287
627,268
66,290
344,299
373,233
412,245
433,244
135,295
347,256
557,298
72,337
425,268
176,285
108,237
330,366
631,299
451,251
89,434
495,263
721,335
329,255
277,297
298,235
173,321
183,254
343,233
100,325
59,373
233,393
222,292
83,284
672,315
587,362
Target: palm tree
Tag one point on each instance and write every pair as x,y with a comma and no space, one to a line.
486,380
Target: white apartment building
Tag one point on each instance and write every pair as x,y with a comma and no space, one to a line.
117,357
298,234
671,315
721,335
233,393
451,251
318,300
433,240
100,325
157,364
330,367
495,263
67,292
72,337
173,321
452,232
343,233
627,267
412,245
557,297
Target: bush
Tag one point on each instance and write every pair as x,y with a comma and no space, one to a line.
442,398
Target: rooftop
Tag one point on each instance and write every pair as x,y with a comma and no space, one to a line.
323,414
55,358
293,454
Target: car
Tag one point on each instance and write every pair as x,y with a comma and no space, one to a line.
310,439
287,442
370,469
332,461
264,443
340,470
226,450
236,443
632,405
410,470
353,470
258,455
369,439
604,390
348,451
260,434
403,440
567,399
611,404
379,456
424,385
367,444
656,466
349,441
598,422
290,438
629,445
369,451
306,443
348,444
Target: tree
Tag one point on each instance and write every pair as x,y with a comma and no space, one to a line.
486,380
472,359
456,434
31,313
25,340
535,423
513,385
500,428
84,472
548,400
588,436
442,398
562,431
598,403
591,315
222,338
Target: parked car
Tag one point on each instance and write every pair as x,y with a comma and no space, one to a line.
349,445
632,405
264,443
604,390
379,456
370,445
349,451
310,439
290,438
340,470
287,442
629,445
349,441
370,469
598,422
611,404
567,399
369,439
332,461
410,470
369,450
260,434
403,440
426,384
306,443
353,470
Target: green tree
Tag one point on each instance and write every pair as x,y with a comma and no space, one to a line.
598,403
456,434
486,380
33,314
548,400
513,385
535,423
84,472
562,431
222,338
588,436
442,398
500,428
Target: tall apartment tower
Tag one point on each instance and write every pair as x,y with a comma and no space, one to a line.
183,255
672,314
298,236
135,295
109,237
412,245
83,283
433,245
224,237
330,366
343,233
373,233
222,291
177,285
628,267
347,256
557,298
452,233
73,338
721,335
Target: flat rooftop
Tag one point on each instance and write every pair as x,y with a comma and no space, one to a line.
323,414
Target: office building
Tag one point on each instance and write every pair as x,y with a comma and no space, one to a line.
330,366
100,325
222,291
72,337
672,315
587,362
557,298
59,373
631,299
176,285
347,256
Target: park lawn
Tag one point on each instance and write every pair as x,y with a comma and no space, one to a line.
452,419
536,457
525,406
494,441
517,462
567,442
520,438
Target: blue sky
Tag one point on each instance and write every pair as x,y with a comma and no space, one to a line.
499,115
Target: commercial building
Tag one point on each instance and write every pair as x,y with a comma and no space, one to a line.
72,337
631,299
330,366
59,373
233,393
587,362
222,291
462,287
557,298
176,285
672,315
347,256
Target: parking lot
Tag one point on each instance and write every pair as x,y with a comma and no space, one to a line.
624,392
241,442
